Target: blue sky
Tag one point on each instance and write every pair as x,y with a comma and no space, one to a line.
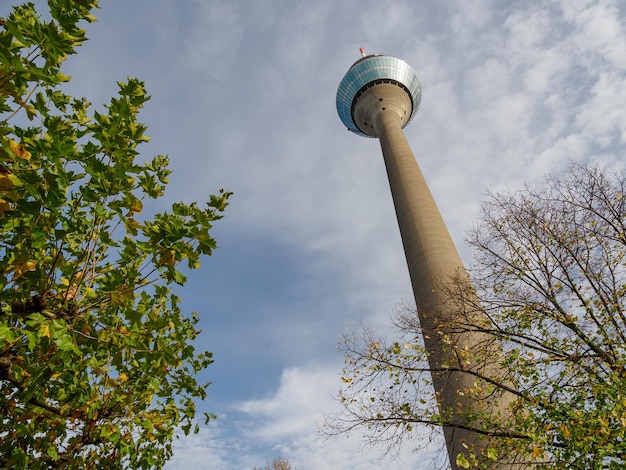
243,98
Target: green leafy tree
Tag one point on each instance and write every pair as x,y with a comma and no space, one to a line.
550,274
97,363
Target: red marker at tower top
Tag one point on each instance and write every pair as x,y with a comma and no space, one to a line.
362,51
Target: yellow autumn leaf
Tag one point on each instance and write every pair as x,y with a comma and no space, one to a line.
4,206
19,150
22,268
121,296
44,331
131,225
167,257
137,205
14,146
5,181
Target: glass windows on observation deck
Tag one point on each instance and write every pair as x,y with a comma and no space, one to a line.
371,69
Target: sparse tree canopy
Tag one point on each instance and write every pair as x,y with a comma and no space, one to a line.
97,363
550,273
277,464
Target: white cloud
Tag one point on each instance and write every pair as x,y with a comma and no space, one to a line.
602,118
207,449
295,407
287,423
599,30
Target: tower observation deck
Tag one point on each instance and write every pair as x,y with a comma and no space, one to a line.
378,97
367,73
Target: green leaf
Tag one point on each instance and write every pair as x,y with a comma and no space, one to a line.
179,278
65,342
491,453
462,461
6,333
32,339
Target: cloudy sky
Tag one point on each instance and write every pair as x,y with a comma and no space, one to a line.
243,98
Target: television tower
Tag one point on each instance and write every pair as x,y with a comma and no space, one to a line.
377,98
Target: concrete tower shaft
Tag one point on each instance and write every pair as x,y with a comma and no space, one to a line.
434,266
378,96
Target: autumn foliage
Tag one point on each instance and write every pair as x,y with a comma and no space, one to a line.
550,274
97,363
